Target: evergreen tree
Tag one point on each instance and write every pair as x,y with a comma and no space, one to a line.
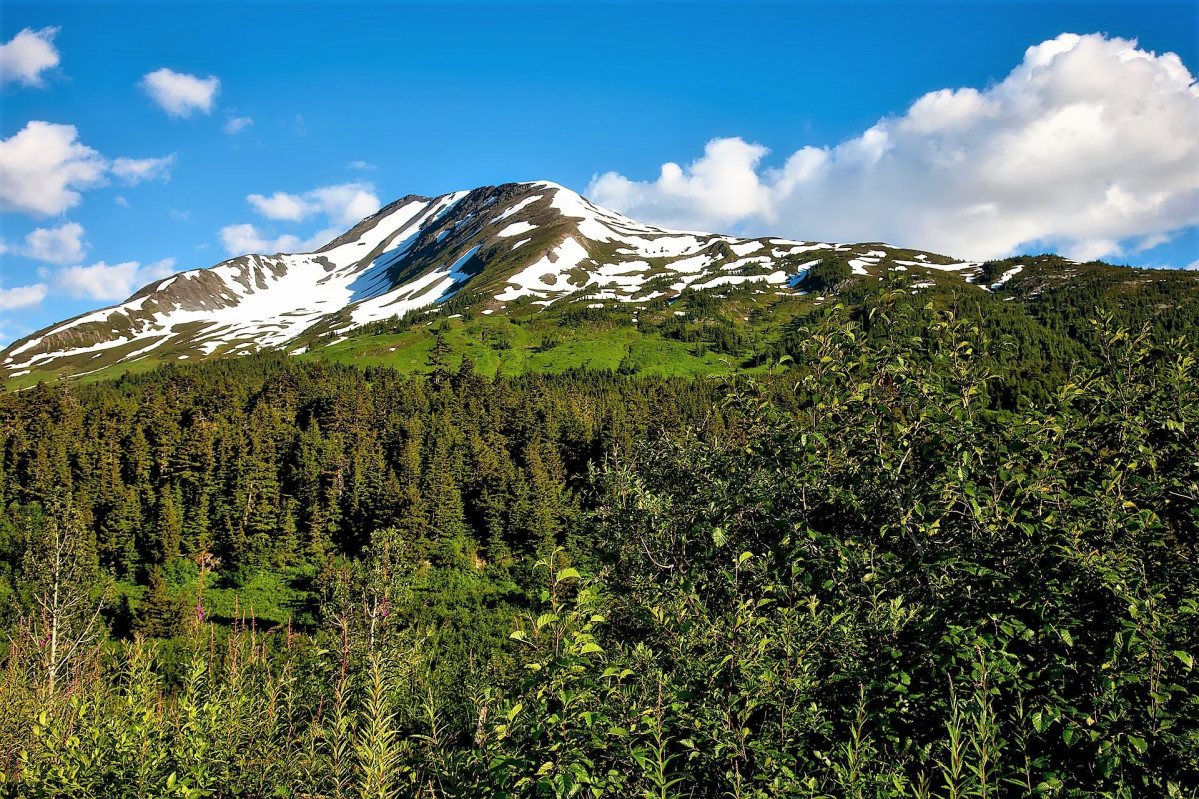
168,531
158,615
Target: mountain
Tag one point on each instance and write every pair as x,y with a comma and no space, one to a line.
511,251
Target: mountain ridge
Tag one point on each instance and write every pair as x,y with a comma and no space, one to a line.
532,244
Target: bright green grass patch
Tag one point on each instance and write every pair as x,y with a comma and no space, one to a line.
270,598
498,346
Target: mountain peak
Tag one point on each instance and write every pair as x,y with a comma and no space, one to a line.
533,242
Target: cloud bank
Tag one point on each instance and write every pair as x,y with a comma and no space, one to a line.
1088,146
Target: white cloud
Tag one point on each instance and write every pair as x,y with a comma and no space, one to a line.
103,282
346,204
132,171
43,166
21,296
180,94
282,205
237,124
60,245
343,206
245,238
1088,145
121,201
362,165
27,55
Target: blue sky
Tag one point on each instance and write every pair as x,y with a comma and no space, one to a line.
381,100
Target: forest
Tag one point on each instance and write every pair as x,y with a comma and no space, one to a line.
924,553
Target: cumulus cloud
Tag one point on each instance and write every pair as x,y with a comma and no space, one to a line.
60,245
342,206
281,205
246,238
132,171
346,204
1088,146
237,124
27,55
181,94
21,296
361,165
43,166
103,282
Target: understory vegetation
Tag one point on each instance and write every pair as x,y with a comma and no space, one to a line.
880,569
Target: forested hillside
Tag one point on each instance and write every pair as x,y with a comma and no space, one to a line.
923,549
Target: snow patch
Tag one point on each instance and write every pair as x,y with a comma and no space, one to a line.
1006,276
546,275
514,209
515,229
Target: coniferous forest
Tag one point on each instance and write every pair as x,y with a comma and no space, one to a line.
917,557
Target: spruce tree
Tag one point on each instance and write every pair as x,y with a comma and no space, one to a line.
158,615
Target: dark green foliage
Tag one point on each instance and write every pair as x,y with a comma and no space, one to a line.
898,562
896,567
272,464
831,271
159,615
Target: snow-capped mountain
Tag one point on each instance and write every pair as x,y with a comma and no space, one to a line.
529,242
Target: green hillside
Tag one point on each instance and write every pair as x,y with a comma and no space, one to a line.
911,541
718,331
